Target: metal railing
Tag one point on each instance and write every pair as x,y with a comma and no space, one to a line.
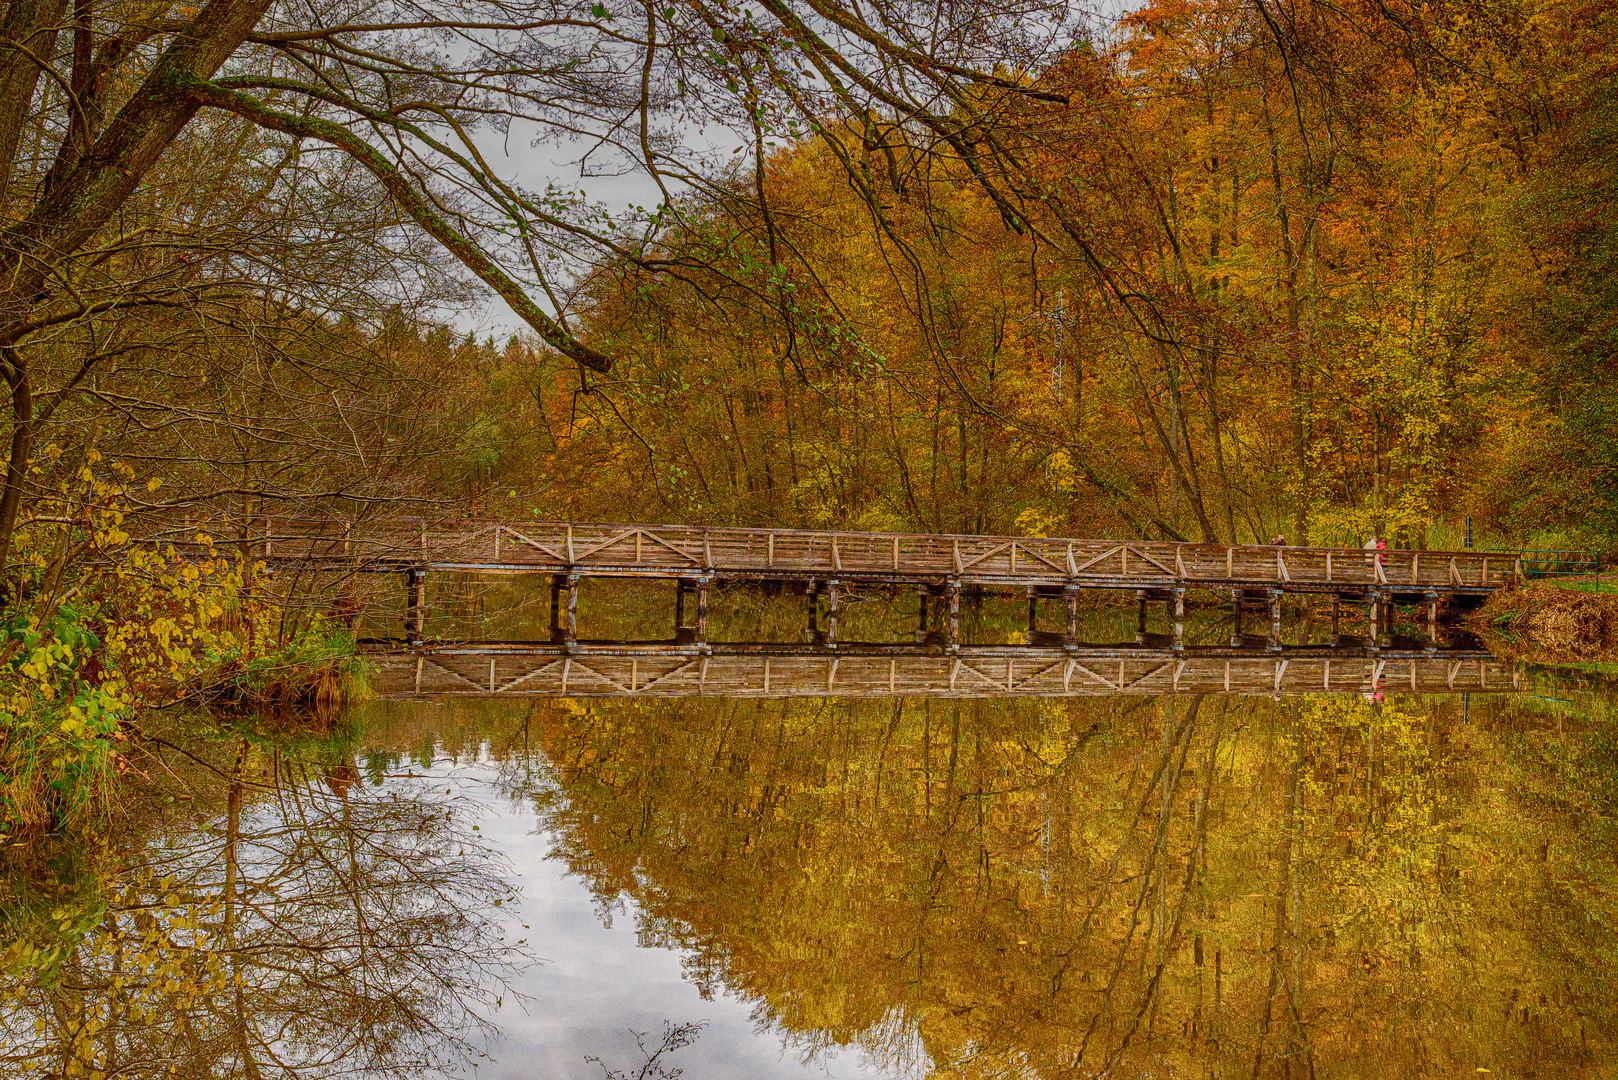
1546,562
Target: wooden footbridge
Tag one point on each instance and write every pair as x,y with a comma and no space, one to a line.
490,670
940,566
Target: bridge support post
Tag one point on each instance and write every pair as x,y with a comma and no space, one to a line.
811,593
1432,619
1235,618
954,589
1071,595
1373,613
1179,619
416,604
702,609
556,604
922,594
1140,616
831,612
1275,618
679,606
572,608
1336,616
1033,613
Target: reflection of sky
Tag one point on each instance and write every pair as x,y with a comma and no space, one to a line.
598,985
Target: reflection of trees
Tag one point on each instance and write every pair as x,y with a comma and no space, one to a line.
1062,888
314,927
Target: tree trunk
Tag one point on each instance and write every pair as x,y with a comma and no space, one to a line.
22,441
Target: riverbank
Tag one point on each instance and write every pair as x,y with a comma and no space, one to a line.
90,651
1569,620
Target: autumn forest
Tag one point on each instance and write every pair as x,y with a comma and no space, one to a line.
1213,270
416,275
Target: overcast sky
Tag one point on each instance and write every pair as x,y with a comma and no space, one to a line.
536,166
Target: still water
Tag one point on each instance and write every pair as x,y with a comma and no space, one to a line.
1320,885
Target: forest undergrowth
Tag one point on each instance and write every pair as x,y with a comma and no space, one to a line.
98,633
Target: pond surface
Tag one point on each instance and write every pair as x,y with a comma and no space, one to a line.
1179,885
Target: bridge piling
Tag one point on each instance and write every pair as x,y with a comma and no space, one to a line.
831,611
954,589
416,604
572,608
1275,618
1179,619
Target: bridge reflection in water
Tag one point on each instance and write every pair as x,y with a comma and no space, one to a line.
492,669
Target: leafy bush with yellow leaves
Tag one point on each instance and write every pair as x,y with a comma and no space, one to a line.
97,627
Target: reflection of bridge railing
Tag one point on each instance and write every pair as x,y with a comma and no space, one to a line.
490,670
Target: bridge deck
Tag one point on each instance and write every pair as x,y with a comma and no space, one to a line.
485,671
705,554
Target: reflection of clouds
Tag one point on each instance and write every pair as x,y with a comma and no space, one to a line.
604,977
305,932
997,890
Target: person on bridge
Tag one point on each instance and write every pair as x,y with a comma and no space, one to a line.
1279,541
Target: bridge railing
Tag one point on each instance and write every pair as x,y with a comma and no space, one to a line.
668,549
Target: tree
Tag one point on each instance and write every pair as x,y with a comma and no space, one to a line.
415,96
